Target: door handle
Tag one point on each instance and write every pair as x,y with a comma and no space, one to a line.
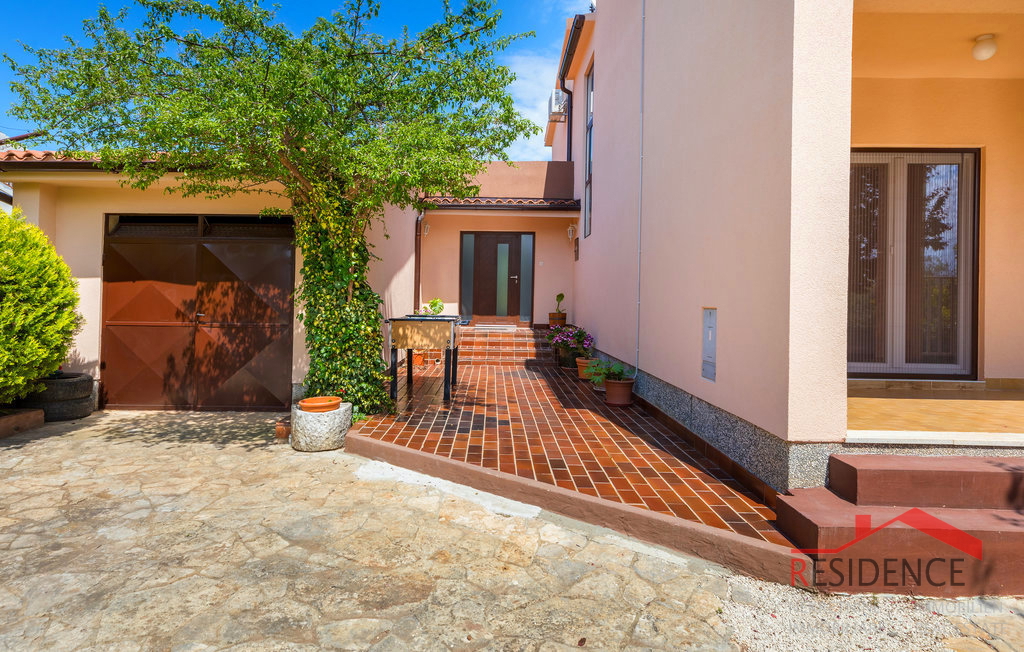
513,278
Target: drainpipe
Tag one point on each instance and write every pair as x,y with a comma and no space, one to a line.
563,70
416,262
640,194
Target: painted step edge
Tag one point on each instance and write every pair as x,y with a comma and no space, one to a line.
746,555
995,483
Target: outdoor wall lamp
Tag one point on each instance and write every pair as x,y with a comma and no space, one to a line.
572,232
984,47
426,229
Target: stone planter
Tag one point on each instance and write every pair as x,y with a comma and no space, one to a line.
320,431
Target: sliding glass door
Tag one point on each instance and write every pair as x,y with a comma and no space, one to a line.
912,264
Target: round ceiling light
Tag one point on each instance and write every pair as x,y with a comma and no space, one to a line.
984,47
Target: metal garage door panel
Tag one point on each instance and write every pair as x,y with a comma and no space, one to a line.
149,282
246,282
148,366
243,366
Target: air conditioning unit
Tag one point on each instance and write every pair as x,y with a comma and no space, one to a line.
557,106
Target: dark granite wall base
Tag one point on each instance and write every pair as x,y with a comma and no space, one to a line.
779,464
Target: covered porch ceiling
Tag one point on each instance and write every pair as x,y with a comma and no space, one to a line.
921,39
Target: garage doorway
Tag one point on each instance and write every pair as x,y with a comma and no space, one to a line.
197,312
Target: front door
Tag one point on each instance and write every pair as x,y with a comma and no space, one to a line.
912,264
197,313
497,277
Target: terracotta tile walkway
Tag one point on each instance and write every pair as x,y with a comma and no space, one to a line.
540,422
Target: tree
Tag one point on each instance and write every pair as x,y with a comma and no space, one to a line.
337,119
38,297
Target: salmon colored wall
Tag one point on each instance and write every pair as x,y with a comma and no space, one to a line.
744,201
393,274
983,113
439,272
717,200
550,179
606,273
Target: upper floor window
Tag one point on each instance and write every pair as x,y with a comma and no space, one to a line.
588,154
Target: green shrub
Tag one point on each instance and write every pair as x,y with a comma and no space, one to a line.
38,298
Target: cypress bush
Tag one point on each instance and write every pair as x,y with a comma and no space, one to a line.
38,301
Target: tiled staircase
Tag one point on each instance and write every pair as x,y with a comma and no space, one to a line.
926,519
505,347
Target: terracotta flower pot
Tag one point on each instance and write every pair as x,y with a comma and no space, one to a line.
319,404
582,365
618,392
417,359
556,319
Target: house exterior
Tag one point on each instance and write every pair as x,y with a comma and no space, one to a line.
751,203
187,301
781,196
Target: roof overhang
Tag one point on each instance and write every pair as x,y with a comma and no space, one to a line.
505,203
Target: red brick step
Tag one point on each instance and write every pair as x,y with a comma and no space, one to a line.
914,481
818,520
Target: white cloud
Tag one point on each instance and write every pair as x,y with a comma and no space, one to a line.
565,8
535,79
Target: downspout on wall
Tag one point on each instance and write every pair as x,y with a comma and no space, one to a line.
563,70
416,262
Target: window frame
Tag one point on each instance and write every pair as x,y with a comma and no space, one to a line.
588,151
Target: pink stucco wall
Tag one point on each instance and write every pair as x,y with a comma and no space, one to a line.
392,275
606,274
741,100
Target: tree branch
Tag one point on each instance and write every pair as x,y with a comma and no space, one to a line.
14,139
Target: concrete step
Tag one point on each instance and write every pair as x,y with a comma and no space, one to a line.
916,481
885,549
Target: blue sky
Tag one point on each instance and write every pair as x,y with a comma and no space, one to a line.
43,23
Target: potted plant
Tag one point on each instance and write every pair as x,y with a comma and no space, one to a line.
618,383
570,342
557,318
431,308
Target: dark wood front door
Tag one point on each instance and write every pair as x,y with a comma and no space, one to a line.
496,275
197,319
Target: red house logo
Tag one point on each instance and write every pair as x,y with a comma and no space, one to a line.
847,571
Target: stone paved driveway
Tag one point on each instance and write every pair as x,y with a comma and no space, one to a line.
131,531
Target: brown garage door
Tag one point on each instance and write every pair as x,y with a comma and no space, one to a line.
197,312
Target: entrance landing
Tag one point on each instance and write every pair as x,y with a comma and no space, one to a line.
967,417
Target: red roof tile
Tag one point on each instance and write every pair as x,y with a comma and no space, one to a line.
504,202
37,156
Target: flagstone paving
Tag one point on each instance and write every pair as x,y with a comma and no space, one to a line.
184,531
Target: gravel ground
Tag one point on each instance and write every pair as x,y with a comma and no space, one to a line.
766,616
